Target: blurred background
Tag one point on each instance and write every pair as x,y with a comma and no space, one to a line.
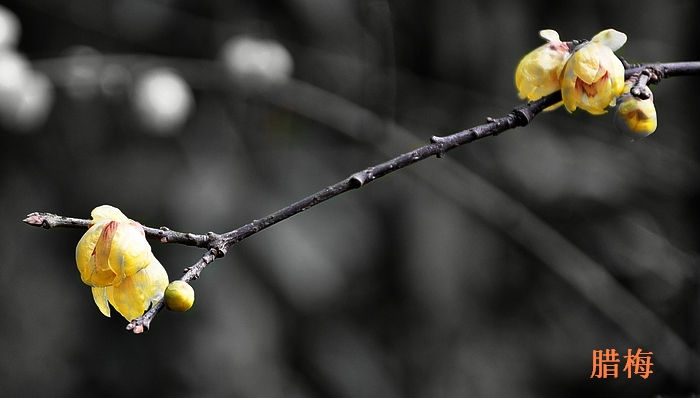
494,272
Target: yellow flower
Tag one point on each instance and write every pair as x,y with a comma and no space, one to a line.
115,259
593,77
537,74
635,117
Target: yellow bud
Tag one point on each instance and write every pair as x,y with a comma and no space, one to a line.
179,296
538,72
115,259
635,117
593,76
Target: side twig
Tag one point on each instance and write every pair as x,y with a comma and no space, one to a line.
164,234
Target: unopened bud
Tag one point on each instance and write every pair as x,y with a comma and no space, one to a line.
635,117
179,296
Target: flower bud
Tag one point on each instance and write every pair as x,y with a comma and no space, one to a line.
594,77
635,117
114,258
537,74
179,296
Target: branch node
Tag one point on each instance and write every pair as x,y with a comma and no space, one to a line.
575,44
441,144
654,73
640,81
626,64
195,270
522,115
358,179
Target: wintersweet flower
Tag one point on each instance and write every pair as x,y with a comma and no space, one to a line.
537,74
635,117
115,259
594,77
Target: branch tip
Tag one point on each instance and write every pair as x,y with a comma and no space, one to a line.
140,324
136,328
36,219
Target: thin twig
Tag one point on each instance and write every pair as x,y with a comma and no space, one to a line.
142,323
164,234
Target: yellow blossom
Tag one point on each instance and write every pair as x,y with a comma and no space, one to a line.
594,77
635,117
115,259
537,74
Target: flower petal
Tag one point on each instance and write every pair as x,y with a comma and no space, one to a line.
130,251
100,296
586,62
92,255
617,76
610,38
136,293
569,91
550,35
538,72
107,212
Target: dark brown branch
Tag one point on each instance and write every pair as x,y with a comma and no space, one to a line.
218,244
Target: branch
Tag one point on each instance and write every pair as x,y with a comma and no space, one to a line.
142,323
520,116
164,234
218,244
661,71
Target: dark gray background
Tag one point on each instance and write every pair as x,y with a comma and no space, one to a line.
492,273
